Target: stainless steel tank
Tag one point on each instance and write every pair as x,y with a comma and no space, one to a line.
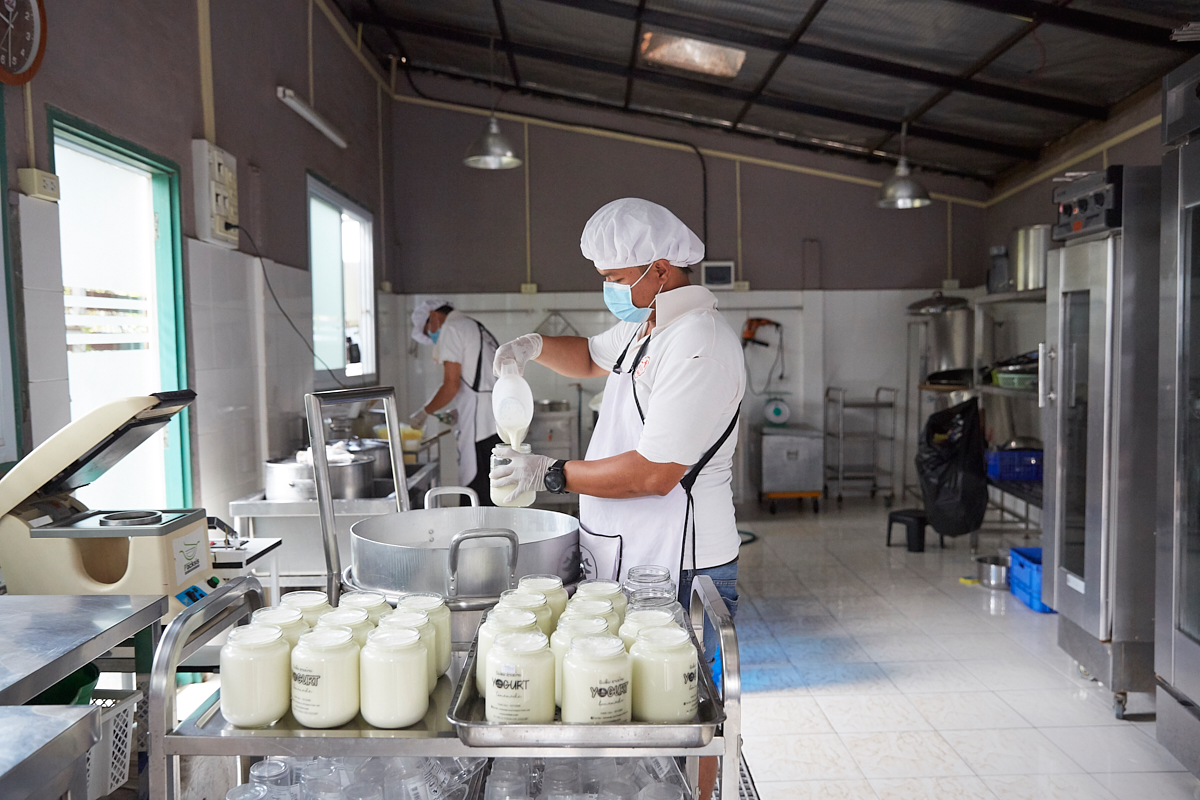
950,333
1027,257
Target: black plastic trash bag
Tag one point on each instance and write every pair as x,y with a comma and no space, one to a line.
953,470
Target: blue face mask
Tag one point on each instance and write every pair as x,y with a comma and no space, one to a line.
619,299
434,334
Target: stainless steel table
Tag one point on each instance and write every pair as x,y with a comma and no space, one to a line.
45,751
44,638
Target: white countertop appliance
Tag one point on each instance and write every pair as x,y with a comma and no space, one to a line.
50,543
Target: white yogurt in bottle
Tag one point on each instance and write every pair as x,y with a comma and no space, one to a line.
289,620
560,642
311,604
254,676
665,675
499,622
530,601
641,619
325,678
374,602
597,674
393,675
419,622
520,676
552,587
593,607
353,618
439,615
605,590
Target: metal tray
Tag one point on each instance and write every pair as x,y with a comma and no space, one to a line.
467,715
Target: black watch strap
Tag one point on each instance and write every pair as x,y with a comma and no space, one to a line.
556,478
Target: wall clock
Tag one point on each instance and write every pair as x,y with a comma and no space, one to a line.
22,40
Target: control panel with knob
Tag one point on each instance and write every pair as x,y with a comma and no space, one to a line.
1089,204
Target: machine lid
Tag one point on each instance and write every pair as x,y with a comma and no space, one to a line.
88,447
937,304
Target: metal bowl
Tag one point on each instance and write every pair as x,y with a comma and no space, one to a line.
992,571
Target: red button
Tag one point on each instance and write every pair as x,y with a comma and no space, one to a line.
1077,225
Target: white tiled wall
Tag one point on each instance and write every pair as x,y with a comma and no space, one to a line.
45,325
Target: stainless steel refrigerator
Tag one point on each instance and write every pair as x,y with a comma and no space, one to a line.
1177,607
1096,390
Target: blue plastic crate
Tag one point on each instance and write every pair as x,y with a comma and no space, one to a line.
1025,577
1014,465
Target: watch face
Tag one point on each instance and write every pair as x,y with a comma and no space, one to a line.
20,34
555,480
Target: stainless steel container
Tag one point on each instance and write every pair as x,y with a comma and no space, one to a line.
287,479
543,406
1027,257
377,449
950,332
992,571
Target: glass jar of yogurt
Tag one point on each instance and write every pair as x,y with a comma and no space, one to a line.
325,678
665,675
644,618
393,675
658,598
289,620
374,602
597,673
435,606
255,669
606,590
520,678
311,604
419,622
501,455
530,601
568,628
552,587
353,618
589,607
499,622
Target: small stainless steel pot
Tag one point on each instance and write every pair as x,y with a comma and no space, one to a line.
992,571
286,479
377,449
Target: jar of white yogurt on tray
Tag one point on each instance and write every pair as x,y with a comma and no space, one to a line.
597,678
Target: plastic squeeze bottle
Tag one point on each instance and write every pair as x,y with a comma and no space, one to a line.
512,406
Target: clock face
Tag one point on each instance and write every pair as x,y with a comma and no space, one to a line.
22,39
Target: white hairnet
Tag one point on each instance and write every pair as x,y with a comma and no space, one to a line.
631,232
420,316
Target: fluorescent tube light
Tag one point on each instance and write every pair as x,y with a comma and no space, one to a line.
692,55
302,108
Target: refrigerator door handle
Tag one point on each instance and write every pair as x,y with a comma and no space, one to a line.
1045,396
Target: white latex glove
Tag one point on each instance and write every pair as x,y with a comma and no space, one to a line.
528,472
519,351
417,418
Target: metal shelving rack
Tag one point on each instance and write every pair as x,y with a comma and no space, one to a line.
881,437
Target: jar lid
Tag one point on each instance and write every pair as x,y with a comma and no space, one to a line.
604,646
362,600
405,618
304,599
421,601
327,636
256,634
601,588
342,616
582,626
516,598
503,618
589,607
663,636
393,637
540,583
524,642
649,617
277,615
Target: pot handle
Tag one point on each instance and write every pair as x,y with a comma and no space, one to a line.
438,491
514,545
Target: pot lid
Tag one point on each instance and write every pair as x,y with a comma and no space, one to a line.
937,304
88,447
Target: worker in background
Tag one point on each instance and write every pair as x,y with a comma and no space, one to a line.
466,350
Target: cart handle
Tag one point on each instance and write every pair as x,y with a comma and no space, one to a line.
712,605
314,405
438,491
514,545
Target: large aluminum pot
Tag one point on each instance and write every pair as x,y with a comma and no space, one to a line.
469,554
950,332
287,479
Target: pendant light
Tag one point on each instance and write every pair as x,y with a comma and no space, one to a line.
491,150
901,191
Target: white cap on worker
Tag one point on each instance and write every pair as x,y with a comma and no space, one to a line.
632,232
420,316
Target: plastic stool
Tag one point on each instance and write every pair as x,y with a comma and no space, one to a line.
914,522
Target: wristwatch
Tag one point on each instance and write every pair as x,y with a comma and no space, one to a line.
556,479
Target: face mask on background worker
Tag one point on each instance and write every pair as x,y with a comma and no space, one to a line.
619,299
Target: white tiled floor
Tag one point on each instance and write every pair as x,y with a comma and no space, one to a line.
871,672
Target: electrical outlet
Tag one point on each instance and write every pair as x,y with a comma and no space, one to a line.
741,286
528,288
950,283
39,184
214,180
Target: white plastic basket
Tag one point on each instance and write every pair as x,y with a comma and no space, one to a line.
108,760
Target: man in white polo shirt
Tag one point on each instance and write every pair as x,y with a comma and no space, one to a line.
655,485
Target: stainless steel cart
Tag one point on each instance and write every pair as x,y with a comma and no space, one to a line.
880,439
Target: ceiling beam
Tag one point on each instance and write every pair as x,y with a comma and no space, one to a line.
722,91
633,52
739,36
508,45
1085,21
804,25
